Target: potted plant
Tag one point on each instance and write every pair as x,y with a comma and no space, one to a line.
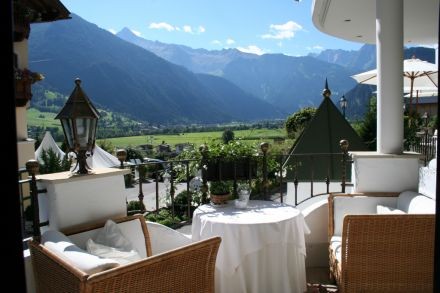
219,192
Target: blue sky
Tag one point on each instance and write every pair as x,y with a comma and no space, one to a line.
256,26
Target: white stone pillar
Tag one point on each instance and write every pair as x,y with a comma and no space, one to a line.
389,48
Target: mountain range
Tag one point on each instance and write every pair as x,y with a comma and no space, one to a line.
174,84
125,78
287,82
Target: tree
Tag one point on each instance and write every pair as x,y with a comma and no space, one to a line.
52,162
298,121
227,136
368,128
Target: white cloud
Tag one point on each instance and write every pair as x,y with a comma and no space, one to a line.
282,31
112,30
230,41
251,49
280,44
187,29
137,33
315,48
169,27
216,42
162,25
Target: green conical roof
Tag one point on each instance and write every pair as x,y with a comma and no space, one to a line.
322,136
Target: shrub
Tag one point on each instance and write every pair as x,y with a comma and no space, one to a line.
181,202
227,136
134,205
219,187
52,162
165,217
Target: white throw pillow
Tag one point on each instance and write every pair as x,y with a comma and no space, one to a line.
122,257
90,264
384,210
112,236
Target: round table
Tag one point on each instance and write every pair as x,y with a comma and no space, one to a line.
263,246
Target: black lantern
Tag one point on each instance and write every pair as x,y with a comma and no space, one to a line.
343,104
79,119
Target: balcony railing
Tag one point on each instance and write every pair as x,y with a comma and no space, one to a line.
425,144
267,174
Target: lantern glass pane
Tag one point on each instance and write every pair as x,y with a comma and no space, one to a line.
67,126
92,131
82,132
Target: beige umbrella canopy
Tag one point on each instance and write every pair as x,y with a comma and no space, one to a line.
418,74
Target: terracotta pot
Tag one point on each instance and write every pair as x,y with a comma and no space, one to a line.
219,198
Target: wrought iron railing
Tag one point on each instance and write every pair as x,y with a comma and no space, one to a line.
269,182
268,175
425,144
28,192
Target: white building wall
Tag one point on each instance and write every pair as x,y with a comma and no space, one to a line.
373,172
78,199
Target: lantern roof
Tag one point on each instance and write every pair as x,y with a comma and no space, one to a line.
78,105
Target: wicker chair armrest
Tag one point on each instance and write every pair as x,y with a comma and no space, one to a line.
187,269
387,253
52,273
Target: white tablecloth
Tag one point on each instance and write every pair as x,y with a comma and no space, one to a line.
263,247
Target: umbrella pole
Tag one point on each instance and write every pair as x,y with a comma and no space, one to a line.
410,97
417,101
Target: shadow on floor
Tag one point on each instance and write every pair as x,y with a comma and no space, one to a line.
318,281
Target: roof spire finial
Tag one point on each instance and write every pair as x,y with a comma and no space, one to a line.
326,92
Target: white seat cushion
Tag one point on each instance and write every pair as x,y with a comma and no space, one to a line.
110,235
412,202
62,246
131,230
385,210
122,257
164,238
336,246
427,179
404,200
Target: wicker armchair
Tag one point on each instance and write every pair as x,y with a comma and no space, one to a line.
189,268
380,253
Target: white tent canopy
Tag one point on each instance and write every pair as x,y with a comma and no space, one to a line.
48,143
102,159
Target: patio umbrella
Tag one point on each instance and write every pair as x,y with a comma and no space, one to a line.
417,74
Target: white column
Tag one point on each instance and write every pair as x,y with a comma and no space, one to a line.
389,46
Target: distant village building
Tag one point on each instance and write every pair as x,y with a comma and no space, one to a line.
424,105
147,147
163,148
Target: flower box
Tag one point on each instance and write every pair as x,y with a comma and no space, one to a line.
225,170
